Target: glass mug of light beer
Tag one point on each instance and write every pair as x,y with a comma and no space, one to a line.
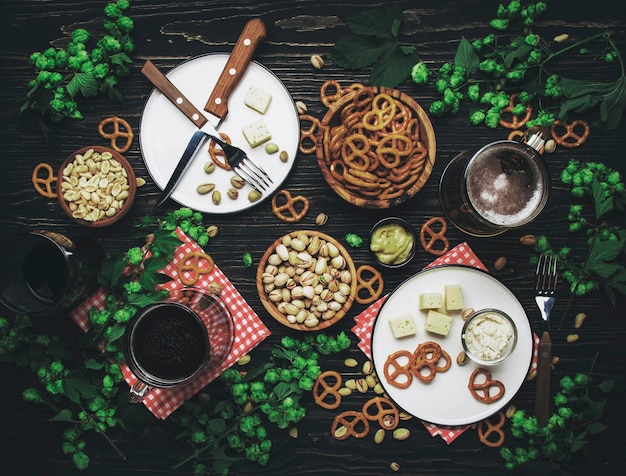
491,189
170,343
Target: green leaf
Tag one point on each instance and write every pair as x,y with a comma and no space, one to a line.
576,445
217,426
354,52
596,427
517,54
376,23
466,56
63,415
121,59
607,386
93,364
581,95
111,270
603,202
392,67
83,83
75,387
117,331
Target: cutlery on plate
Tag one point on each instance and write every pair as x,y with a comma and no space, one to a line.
217,105
545,287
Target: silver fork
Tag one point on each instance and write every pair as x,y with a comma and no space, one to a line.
252,173
545,287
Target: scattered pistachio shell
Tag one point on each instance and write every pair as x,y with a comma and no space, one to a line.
216,197
205,188
572,338
531,375
379,436
467,312
378,389
394,466
212,230
140,181
579,319
361,385
350,362
244,360
293,432
301,107
401,433
232,193
461,359
549,146
510,411
500,263
283,156
561,38
405,416
317,61
271,148
555,360
215,288
209,167
371,381
254,195
237,182
321,219
367,367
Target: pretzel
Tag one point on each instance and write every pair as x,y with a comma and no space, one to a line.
322,390
190,264
569,138
429,237
351,420
46,182
486,428
427,356
373,285
308,135
287,211
328,98
516,121
481,391
121,128
380,115
386,412
397,374
217,154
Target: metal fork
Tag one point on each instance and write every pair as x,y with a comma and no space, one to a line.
545,287
252,173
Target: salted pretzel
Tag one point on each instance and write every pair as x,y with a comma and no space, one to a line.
427,356
373,285
217,154
429,237
354,422
396,373
121,128
481,391
43,185
309,126
517,120
382,410
486,428
326,389
288,208
567,135
330,92
190,269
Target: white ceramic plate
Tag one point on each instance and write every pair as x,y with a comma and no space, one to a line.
446,400
164,132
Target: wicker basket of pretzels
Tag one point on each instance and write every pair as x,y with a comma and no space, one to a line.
306,280
375,146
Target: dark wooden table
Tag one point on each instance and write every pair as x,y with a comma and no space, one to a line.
168,32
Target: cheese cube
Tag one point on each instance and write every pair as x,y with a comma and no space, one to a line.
257,99
256,133
403,326
454,297
438,323
430,301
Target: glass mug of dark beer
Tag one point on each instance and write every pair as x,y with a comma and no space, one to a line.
489,190
170,343
44,272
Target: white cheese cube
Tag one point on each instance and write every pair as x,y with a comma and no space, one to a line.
438,323
257,99
256,133
403,326
454,297
430,301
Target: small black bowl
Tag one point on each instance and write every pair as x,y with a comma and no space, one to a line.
384,237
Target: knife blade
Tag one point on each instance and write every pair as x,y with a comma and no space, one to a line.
251,36
542,388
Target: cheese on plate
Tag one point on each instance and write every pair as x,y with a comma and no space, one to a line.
256,133
403,326
257,99
438,323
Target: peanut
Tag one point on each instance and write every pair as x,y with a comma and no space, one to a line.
579,319
528,240
572,338
500,263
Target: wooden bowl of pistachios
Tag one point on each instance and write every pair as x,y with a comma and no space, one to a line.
96,186
306,280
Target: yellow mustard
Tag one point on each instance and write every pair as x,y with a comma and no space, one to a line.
392,243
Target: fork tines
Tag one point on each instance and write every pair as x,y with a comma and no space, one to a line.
547,274
254,174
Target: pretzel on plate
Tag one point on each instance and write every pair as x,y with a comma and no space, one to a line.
217,154
396,373
481,390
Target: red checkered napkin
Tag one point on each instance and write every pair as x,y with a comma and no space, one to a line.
249,330
460,254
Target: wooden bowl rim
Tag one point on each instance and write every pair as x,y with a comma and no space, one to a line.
280,317
426,131
132,190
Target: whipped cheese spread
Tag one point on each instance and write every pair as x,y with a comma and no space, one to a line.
487,335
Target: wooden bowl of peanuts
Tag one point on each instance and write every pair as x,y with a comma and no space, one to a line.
375,146
306,280
96,186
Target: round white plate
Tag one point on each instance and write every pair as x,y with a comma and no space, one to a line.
164,132
446,400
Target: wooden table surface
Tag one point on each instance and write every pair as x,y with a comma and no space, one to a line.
169,32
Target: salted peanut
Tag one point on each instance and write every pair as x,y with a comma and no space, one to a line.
579,319
371,380
561,38
378,389
510,411
344,391
572,338
401,433
350,362
293,432
555,360
379,436
500,263
140,181
528,240
244,360
350,383
340,432
404,416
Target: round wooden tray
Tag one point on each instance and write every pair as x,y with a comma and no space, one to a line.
132,187
272,308
351,192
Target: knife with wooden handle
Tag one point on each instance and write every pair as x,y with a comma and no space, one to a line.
542,389
217,105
